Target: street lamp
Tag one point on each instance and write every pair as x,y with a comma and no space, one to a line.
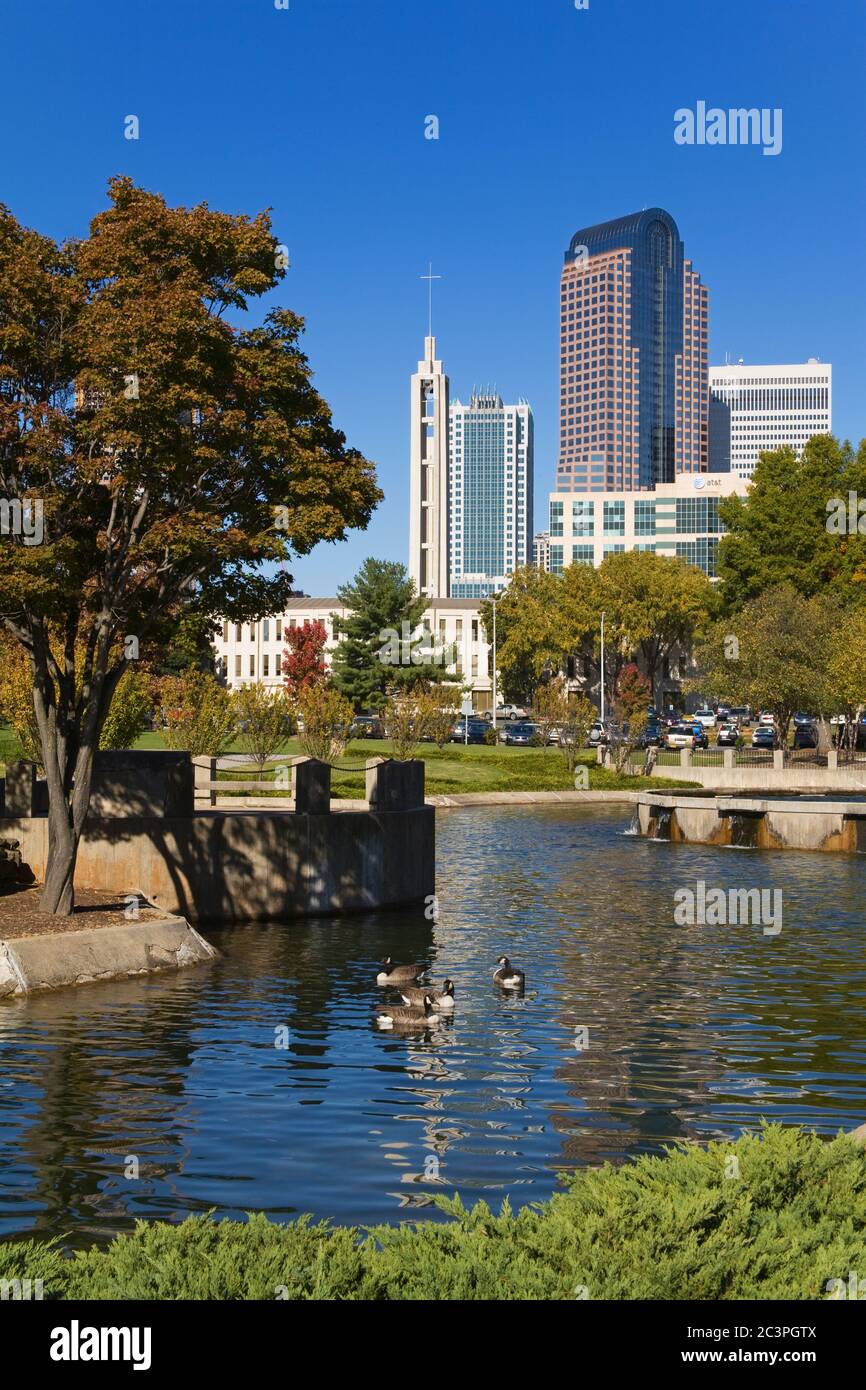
494,598
602,668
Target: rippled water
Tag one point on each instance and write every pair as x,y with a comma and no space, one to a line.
694,1032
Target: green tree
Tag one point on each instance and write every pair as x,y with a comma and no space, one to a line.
129,711
529,640
653,605
264,720
772,655
325,721
161,455
198,713
379,647
785,530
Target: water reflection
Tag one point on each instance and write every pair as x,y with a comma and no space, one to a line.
261,1081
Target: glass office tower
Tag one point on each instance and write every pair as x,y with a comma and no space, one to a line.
633,357
491,478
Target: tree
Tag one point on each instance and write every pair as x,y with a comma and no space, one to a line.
653,604
325,721
573,715
128,715
304,657
406,717
153,456
198,713
788,528
773,655
264,721
380,646
529,639
630,714
846,672
129,712
440,704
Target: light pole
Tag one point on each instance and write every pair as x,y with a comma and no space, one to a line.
493,600
602,668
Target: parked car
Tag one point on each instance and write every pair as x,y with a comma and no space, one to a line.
477,733
507,713
705,716
681,736
801,718
729,736
742,714
520,735
671,717
723,714
702,738
598,735
651,736
766,718
806,735
367,726
764,736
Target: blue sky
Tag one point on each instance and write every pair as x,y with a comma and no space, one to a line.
551,118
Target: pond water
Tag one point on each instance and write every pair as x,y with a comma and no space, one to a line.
169,1095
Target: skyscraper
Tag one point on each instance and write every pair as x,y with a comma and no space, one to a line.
428,485
490,490
633,357
758,409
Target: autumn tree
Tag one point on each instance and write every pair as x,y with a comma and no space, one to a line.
160,453
264,720
198,713
304,657
772,655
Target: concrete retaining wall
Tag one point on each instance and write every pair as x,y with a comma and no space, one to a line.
252,866
30,963
754,822
805,778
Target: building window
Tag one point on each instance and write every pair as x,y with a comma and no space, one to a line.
583,518
556,559
614,518
225,630
266,661
266,630
239,633
614,549
583,554
644,518
556,518
252,665
279,629
237,666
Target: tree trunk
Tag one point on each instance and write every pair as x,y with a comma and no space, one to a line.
57,895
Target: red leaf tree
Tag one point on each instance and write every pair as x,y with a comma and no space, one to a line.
304,657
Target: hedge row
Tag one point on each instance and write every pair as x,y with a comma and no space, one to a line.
773,1216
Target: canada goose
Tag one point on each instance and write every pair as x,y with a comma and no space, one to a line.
442,998
392,974
402,1017
508,976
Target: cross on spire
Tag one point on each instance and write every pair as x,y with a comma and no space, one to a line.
430,277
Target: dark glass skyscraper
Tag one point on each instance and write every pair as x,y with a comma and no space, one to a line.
634,355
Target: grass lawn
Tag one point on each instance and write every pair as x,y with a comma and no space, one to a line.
452,769
456,768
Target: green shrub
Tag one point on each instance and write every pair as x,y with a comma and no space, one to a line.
772,1216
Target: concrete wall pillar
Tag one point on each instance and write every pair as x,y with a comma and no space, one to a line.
833,760
727,757
395,786
311,787
20,789
685,757
778,759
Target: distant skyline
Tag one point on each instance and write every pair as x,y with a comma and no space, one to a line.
548,119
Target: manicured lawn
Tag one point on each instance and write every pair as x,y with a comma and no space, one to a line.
455,769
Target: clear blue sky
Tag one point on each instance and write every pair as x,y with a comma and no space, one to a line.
550,119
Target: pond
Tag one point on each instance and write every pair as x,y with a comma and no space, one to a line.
260,1082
